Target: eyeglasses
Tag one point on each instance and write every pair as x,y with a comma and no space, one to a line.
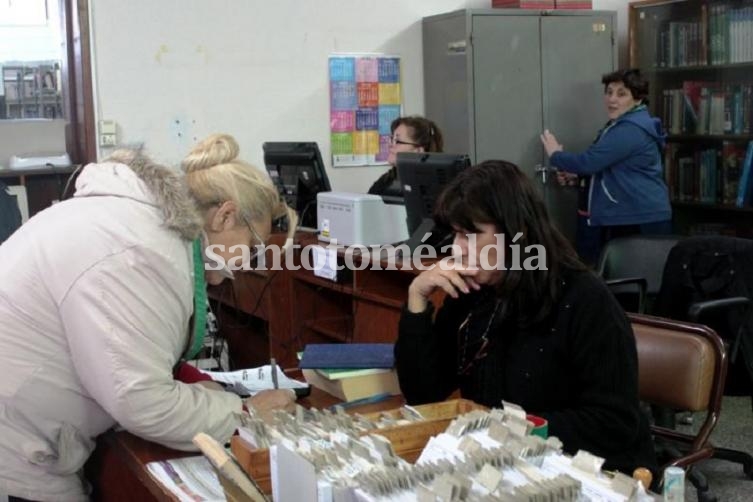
395,141
465,363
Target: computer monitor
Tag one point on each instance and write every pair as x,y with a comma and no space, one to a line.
423,176
297,170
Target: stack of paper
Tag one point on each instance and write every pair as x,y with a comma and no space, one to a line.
253,380
190,479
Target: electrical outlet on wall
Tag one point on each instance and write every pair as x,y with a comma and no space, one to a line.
107,140
108,133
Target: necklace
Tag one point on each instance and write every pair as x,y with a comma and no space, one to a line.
465,363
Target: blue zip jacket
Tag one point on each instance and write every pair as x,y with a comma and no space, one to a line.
627,184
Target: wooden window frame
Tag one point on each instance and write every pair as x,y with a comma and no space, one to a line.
78,102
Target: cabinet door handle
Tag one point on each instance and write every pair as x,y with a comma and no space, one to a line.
543,172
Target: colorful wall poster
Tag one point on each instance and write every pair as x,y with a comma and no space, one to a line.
365,98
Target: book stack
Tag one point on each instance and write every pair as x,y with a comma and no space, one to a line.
351,371
523,4
573,4
350,385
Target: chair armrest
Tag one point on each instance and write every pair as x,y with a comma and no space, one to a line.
637,281
696,310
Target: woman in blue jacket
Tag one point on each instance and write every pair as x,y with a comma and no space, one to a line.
627,193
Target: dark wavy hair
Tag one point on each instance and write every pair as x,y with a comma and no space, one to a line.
497,192
630,78
425,132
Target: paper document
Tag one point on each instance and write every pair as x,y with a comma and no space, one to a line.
250,381
325,262
190,479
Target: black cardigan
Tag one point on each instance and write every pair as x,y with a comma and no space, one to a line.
387,184
578,369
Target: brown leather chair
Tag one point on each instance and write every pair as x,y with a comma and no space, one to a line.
682,366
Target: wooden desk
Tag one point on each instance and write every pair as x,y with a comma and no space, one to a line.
117,469
267,314
263,314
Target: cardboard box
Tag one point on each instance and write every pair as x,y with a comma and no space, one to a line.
524,4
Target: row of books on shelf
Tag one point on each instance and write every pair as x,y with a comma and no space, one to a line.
730,34
681,44
710,176
701,107
722,34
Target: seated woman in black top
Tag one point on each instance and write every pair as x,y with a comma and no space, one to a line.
523,322
409,134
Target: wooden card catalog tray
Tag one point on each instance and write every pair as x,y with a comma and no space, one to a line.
407,440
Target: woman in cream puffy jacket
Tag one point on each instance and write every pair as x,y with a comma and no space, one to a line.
96,294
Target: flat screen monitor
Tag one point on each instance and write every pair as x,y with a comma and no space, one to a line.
297,170
423,176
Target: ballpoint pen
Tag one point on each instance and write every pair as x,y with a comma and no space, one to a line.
273,364
377,398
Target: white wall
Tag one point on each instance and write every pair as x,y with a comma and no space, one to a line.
621,6
172,71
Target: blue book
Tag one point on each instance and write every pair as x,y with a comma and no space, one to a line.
745,187
348,355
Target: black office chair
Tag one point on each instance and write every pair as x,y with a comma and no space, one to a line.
709,280
632,267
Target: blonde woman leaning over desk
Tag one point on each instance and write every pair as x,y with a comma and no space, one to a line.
96,296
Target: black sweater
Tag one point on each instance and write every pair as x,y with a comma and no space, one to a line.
387,184
578,369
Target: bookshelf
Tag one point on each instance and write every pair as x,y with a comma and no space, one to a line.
31,90
698,57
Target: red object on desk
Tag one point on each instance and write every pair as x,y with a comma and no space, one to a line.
190,374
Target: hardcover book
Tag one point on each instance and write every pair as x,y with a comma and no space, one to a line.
348,355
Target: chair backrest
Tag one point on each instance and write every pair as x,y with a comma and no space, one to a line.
680,365
10,212
637,256
19,192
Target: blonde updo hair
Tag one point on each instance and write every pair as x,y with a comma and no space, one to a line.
215,174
